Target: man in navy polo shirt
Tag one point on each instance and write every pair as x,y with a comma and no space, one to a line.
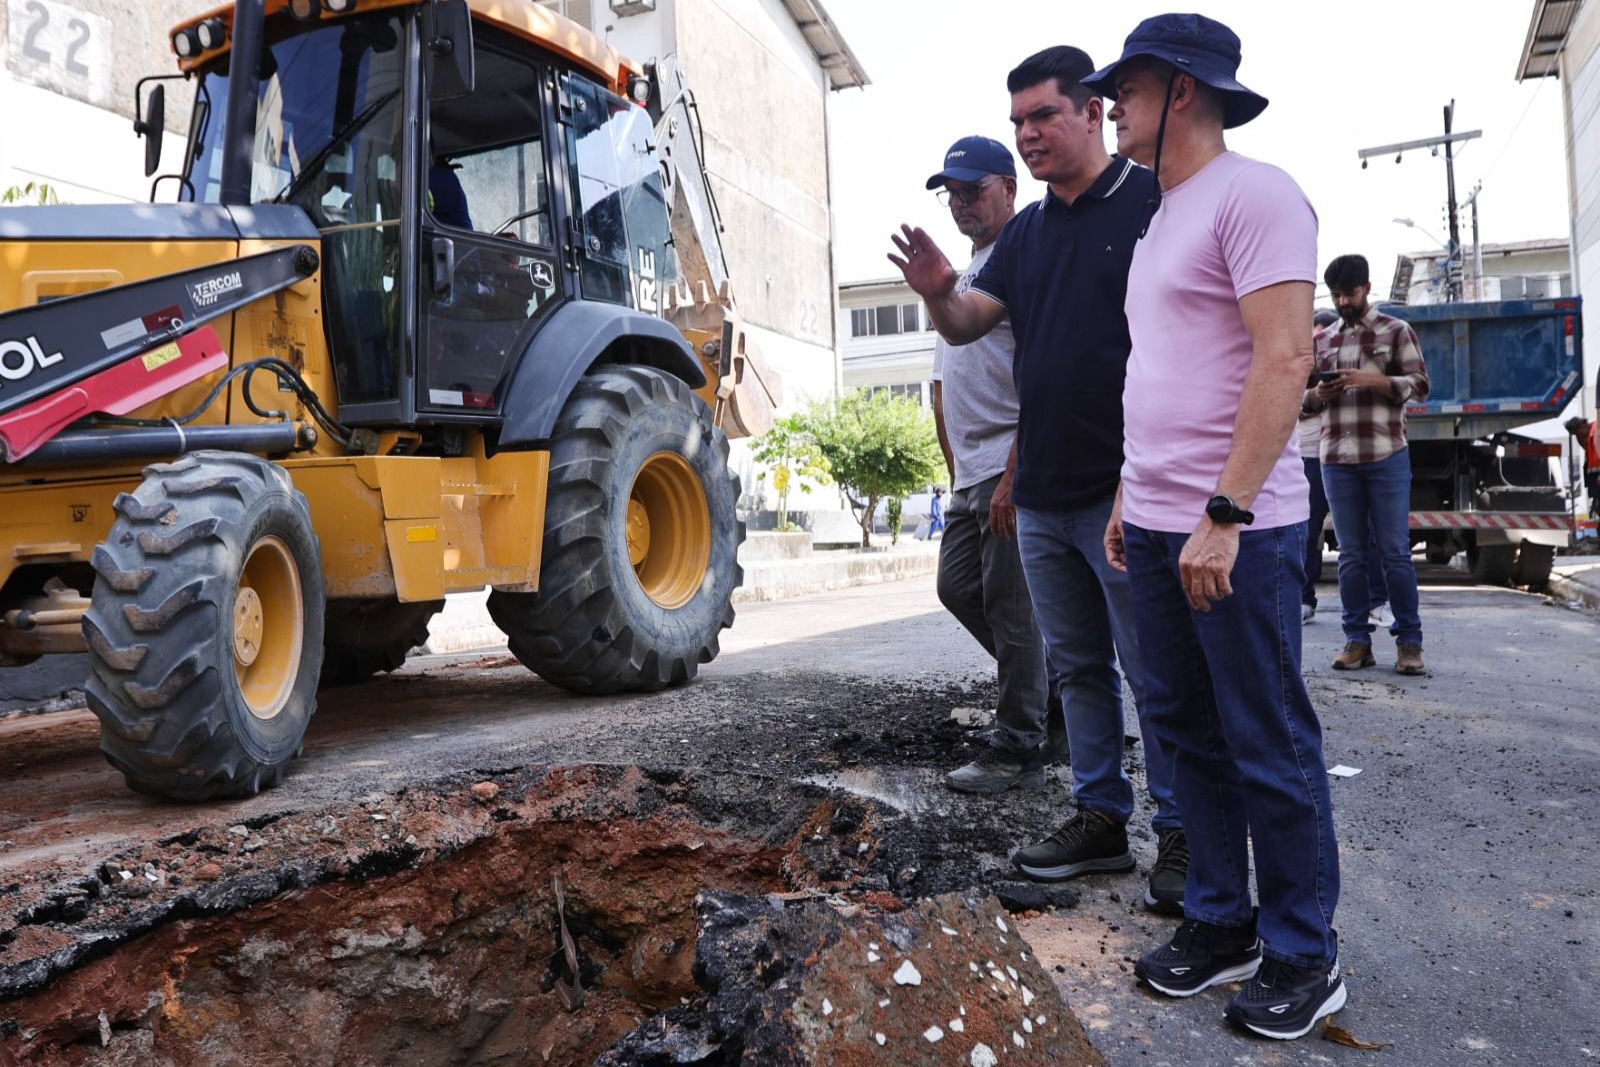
1059,273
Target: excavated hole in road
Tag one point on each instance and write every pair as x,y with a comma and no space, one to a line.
424,928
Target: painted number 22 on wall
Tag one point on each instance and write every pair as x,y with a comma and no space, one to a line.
58,47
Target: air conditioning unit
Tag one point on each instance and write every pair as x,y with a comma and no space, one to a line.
624,8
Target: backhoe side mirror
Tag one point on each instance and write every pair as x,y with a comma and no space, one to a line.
453,73
151,126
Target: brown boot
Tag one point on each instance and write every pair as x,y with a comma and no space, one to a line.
1355,656
1408,659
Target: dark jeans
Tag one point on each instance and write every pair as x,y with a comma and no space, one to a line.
1225,695
1085,610
1319,513
1375,496
981,583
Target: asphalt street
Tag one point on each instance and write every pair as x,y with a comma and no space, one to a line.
1471,909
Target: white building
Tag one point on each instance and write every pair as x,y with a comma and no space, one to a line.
1564,42
762,71
66,94
1519,270
887,339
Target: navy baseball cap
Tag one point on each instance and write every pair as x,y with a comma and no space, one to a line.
1201,47
972,159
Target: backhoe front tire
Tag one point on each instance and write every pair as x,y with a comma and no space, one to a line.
366,637
641,540
205,629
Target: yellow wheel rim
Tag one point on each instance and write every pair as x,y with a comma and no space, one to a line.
268,627
669,530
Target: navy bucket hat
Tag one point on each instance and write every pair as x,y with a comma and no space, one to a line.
972,159
1198,46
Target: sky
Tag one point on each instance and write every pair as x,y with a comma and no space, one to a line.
1340,77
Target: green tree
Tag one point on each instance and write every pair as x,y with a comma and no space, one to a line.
791,453
31,193
877,447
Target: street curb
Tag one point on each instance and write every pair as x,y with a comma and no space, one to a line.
1564,588
464,624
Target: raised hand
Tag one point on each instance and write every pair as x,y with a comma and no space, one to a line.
926,269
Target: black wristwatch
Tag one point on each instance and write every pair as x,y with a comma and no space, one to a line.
1224,512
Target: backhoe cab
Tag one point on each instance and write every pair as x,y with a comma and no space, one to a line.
442,306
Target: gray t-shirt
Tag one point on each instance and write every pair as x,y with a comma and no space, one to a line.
980,396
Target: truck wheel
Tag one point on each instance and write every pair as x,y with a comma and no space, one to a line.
1491,564
205,628
1439,553
365,637
1533,567
641,540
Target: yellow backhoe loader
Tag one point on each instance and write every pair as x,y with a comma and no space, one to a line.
441,305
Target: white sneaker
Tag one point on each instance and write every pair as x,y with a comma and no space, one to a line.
1382,617
1307,613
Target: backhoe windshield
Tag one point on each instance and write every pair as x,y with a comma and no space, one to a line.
320,90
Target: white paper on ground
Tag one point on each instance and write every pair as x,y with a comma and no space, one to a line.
1341,771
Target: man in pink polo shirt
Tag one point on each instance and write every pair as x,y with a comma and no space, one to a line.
1211,526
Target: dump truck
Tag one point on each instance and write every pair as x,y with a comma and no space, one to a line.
1478,486
439,304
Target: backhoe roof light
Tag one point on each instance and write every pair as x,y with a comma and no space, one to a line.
186,44
304,10
340,7
211,34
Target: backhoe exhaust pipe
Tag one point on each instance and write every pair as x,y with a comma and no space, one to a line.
239,120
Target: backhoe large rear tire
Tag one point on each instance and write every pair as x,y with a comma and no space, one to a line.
641,540
365,637
205,628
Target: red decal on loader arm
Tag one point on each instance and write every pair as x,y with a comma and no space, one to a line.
126,387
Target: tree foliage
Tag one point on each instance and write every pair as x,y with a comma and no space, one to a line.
794,458
31,193
877,447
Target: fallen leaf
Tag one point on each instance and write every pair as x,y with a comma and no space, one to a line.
1340,1036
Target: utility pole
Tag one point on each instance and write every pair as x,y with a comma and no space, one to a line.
1454,277
1477,249
1453,266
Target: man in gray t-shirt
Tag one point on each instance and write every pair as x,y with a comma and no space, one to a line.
980,569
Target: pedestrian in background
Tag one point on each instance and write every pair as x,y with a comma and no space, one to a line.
981,581
1219,300
1058,273
1310,433
1589,444
1368,369
936,506
1310,453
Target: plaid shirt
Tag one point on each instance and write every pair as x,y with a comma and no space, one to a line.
1363,425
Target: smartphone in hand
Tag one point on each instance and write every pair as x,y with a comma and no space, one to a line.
1327,376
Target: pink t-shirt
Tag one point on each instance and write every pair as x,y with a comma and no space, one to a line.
1234,227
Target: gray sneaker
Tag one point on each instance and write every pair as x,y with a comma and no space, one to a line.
995,772
1087,843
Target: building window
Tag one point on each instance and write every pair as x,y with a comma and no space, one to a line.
885,320
921,392
579,11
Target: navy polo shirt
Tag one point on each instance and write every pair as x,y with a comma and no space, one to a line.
1061,272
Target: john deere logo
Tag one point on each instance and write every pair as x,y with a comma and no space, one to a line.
206,293
18,359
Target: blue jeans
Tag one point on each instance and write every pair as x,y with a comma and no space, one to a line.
1084,609
1225,696
1375,495
1319,512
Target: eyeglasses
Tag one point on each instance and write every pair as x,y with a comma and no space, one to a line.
963,194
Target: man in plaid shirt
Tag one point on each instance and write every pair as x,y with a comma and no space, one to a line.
1368,368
